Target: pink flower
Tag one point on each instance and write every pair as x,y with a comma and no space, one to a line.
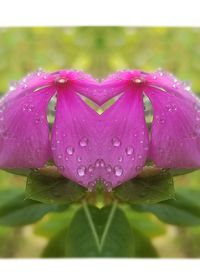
25,138
111,147
174,138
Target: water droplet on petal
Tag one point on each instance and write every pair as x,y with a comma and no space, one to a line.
171,107
91,186
160,119
12,85
118,171
83,142
102,163
116,142
129,150
79,159
97,163
108,186
120,159
81,171
70,150
90,168
109,168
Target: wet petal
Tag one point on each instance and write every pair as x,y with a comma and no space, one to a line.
124,138
114,85
86,85
24,138
175,134
75,138
170,83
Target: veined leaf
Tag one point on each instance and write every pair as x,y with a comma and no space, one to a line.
52,190
149,189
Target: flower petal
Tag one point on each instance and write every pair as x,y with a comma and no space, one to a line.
75,138
86,85
124,138
24,138
175,134
114,85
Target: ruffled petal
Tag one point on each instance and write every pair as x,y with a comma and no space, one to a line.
175,134
24,137
75,139
124,138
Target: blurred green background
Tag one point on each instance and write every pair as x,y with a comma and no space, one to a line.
99,51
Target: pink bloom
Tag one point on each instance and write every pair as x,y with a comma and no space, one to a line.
25,139
112,147
174,139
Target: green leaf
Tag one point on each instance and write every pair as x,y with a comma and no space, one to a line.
55,223
149,189
146,223
52,190
184,211
99,233
15,211
179,172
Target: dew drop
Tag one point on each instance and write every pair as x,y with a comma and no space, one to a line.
108,186
116,142
90,168
83,142
79,159
171,107
97,163
28,107
91,186
81,171
160,119
102,163
118,171
39,71
120,159
109,168
12,85
70,150
129,150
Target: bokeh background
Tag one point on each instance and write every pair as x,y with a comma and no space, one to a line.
99,51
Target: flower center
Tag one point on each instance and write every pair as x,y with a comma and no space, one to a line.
137,80
61,80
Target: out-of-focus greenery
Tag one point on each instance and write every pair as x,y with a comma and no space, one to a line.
99,51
